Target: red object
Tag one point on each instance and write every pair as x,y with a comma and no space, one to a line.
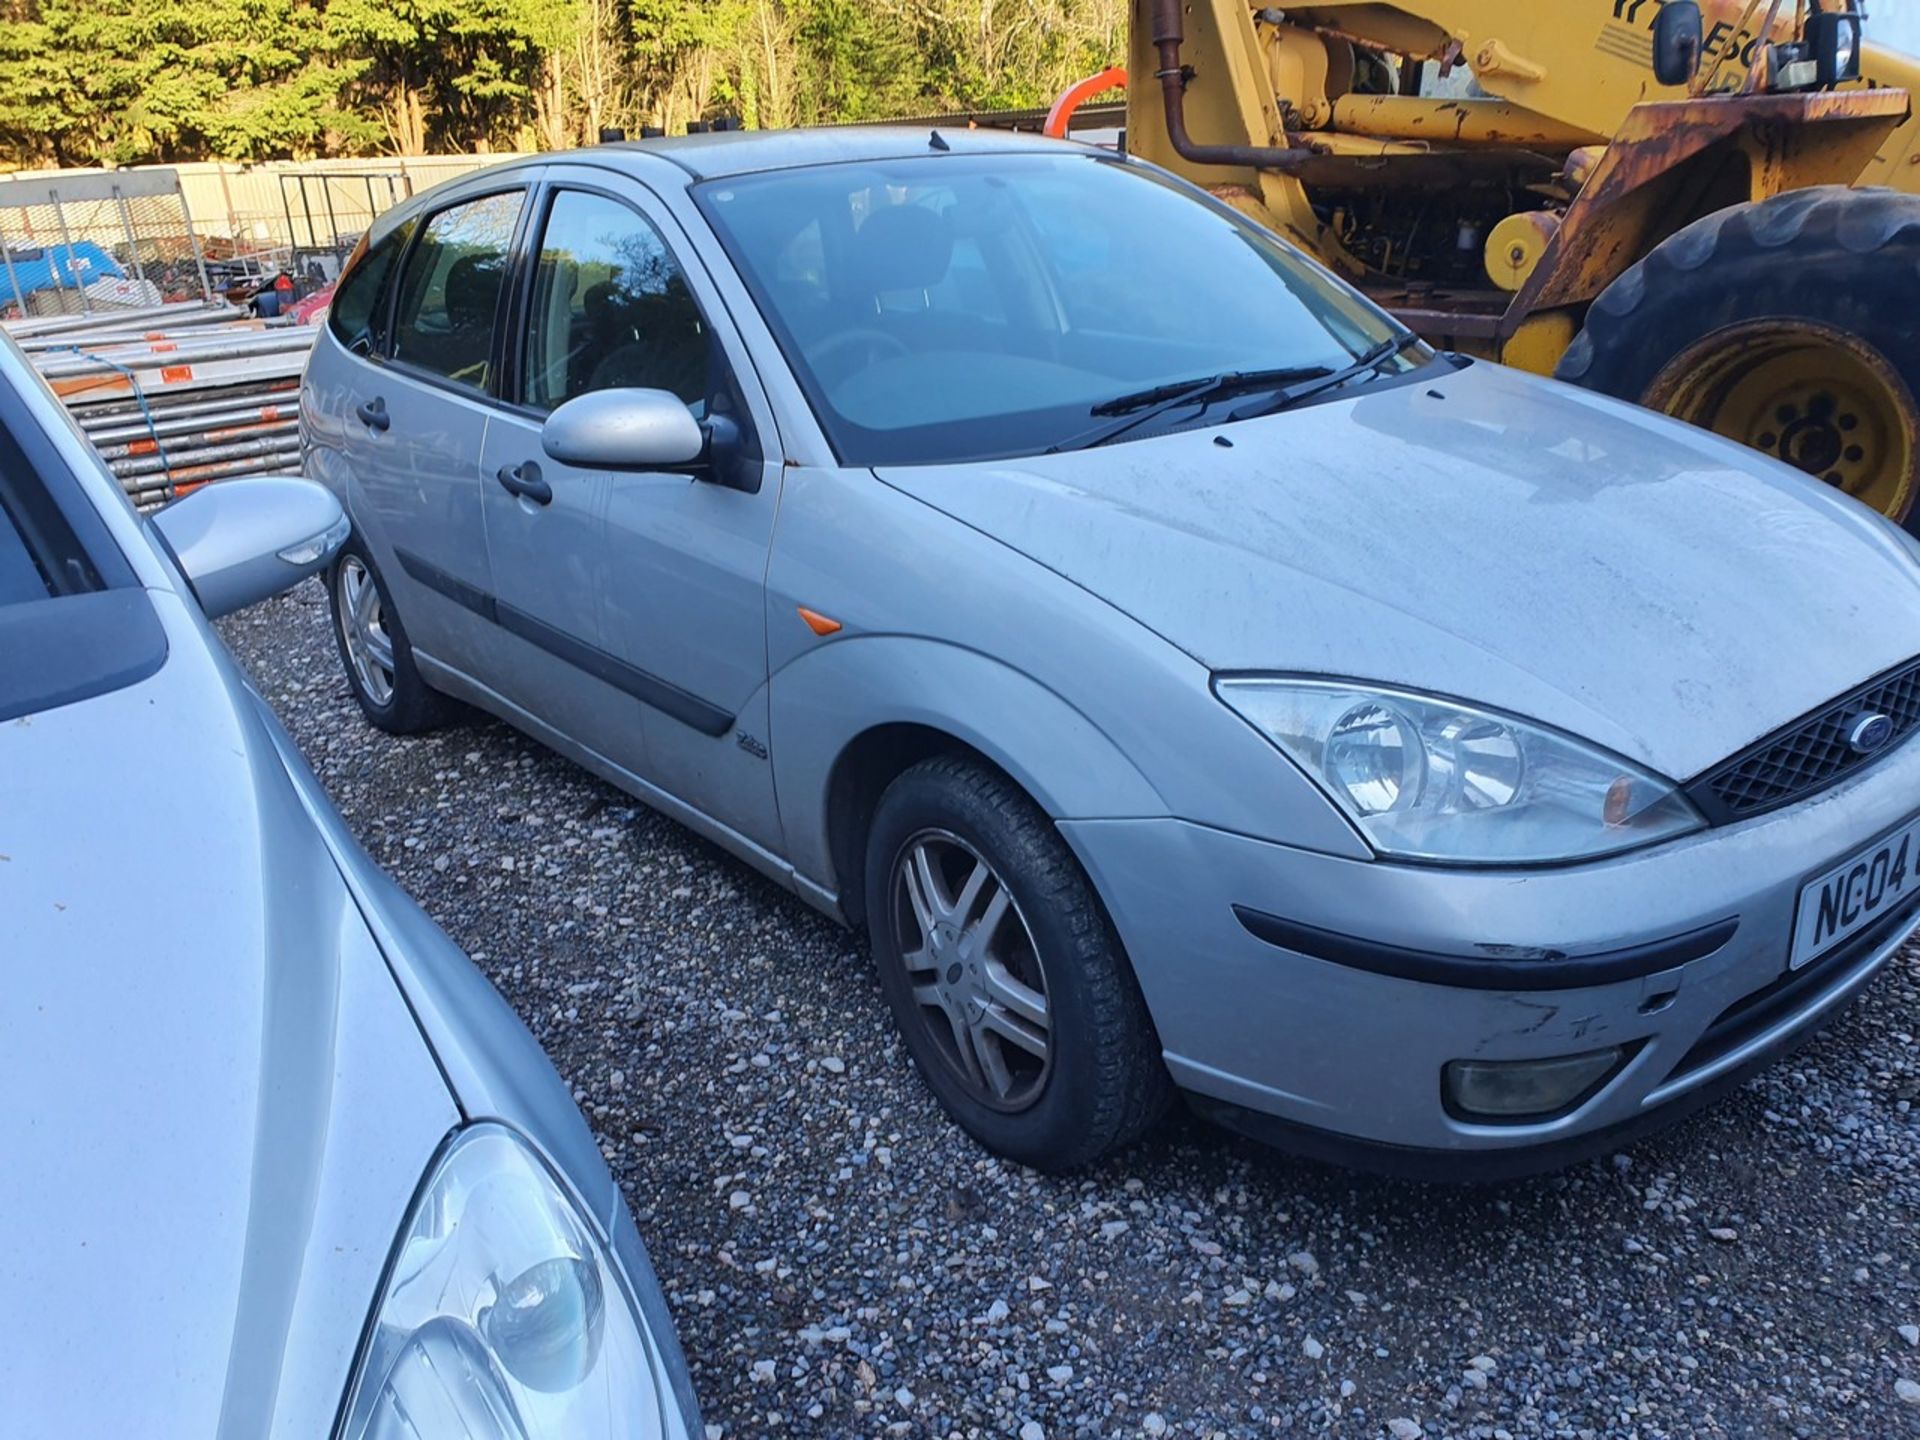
283,283
1074,96
313,307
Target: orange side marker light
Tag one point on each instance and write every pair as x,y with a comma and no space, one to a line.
818,623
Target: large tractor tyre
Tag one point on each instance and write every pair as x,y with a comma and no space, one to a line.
1787,324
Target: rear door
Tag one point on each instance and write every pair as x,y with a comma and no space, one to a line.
417,423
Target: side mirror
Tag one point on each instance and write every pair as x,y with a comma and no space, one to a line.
241,541
624,430
1677,42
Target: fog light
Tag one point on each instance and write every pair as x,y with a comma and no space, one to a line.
1518,1089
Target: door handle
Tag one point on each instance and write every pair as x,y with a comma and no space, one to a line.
524,480
374,414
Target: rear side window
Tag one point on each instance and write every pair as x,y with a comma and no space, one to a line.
450,289
611,308
356,311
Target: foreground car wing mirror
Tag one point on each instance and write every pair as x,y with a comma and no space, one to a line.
241,541
624,430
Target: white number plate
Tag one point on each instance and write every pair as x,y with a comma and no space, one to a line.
1855,893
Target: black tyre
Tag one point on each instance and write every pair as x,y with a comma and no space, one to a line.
374,649
1004,972
1785,324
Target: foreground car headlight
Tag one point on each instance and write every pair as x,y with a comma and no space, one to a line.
1430,779
503,1317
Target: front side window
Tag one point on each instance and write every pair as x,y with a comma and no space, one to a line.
949,307
24,573
42,555
610,309
450,289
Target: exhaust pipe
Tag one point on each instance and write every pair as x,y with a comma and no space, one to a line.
1168,35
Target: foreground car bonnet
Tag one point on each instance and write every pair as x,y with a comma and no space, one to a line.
217,1104
1483,534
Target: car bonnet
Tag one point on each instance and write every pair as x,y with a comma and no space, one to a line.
1484,534
217,1104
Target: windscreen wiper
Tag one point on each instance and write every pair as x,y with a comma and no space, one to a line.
1141,406
1297,383
1306,389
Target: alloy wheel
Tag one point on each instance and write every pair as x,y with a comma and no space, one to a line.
976,975
363,629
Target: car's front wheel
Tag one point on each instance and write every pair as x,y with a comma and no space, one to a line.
374,649
1004,972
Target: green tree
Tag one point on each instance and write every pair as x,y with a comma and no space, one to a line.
860,62
129,81
457,73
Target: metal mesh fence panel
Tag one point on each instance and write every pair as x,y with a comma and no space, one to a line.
328,211
97,244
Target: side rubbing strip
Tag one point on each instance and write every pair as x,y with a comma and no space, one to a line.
452,586
648,689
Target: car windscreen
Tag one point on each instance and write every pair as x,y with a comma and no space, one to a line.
955,307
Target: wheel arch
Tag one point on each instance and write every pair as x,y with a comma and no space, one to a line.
850,717
861,773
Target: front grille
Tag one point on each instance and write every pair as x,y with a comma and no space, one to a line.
1793,992
1811,753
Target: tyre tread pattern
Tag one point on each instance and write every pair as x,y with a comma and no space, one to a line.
1611,353
1132,1089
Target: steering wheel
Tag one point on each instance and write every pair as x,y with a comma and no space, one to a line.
873,345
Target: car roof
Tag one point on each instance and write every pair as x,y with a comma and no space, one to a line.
722,153
741,152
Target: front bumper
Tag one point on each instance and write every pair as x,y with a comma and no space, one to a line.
1304,1042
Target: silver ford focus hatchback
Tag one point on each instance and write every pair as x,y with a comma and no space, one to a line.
1191,681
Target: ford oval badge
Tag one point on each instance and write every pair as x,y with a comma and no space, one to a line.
1869,733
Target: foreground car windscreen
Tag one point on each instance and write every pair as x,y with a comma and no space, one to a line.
960,307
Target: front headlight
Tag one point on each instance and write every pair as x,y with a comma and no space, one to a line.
1431,779
503,1316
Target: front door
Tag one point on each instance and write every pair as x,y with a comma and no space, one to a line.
682,578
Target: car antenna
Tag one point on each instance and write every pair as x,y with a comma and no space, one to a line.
938,141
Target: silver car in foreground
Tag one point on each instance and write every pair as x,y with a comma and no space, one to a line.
275,1159
1190,680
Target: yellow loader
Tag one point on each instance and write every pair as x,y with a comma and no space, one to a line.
1702,207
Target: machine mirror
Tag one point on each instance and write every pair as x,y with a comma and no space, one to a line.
1676,42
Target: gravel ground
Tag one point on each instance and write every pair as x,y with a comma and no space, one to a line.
843,1262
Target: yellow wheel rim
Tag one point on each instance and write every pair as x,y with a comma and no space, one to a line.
1821,400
